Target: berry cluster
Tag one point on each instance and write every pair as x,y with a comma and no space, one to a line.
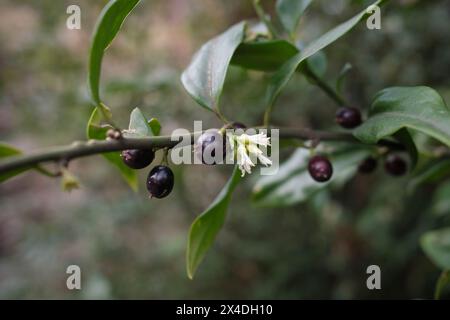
160,180
321,169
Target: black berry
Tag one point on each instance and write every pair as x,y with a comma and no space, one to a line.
320,168
395,165
208,144
138,159
368,165
238,125
160,182
348,118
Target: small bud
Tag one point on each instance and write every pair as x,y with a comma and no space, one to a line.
68,182
113,134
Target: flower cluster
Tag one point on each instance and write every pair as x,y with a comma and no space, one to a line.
247,151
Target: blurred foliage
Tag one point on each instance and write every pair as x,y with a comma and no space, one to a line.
130,247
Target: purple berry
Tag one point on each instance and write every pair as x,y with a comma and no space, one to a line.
238,125
208,144
137,158
320,168
395,165
368,165
348,118
160,182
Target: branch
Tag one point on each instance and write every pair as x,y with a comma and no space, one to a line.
80,149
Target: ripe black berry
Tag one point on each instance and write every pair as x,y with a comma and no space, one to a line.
320,168
395,165
137,158
348,118
238,125
368,165
160,182
208,144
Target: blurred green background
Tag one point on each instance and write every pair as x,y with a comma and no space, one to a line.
131,247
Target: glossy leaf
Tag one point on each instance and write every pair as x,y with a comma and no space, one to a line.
139,125
107,27
436,245
96,131
281,77
267,55
416,108
204,229
205,76
293,184
290,12
318,63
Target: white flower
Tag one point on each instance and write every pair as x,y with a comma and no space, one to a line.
247,148
244,161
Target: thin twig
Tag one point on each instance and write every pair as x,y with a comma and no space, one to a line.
333,94
265,19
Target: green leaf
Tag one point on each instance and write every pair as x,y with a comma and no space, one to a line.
436,245
9,151
96,131
416,108
139,125
293,184
204,229
205,76
281,77
108,25
318,63
267,55
290,12
155,126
